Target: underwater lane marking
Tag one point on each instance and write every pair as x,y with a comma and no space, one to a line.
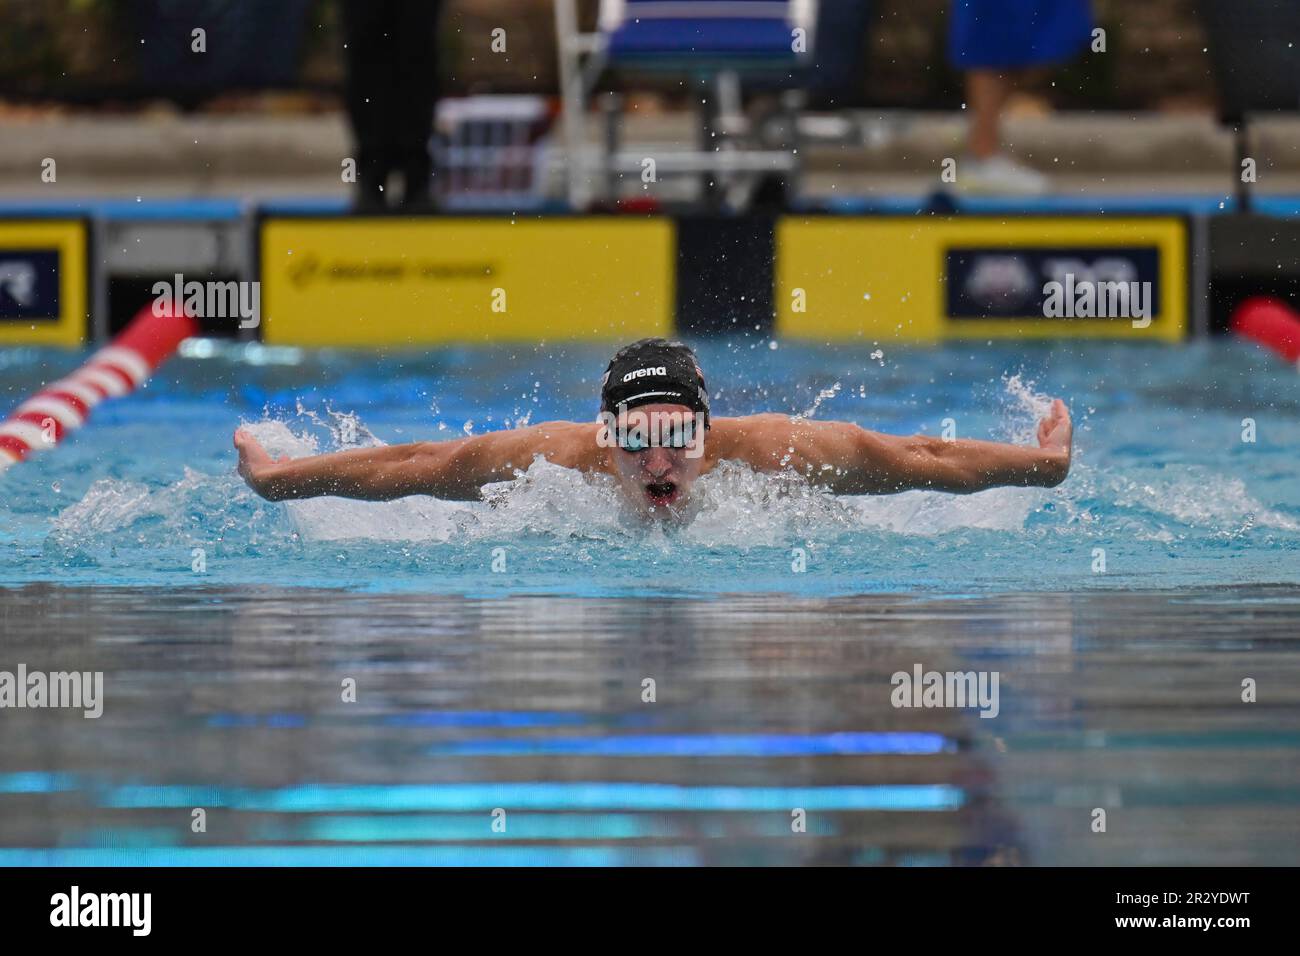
320,798
431,718
36,781
386,856
705,745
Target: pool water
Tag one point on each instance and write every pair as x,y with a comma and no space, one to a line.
1164,491
230,701
541,680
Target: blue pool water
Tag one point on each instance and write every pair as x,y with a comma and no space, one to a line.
519,696
1163,482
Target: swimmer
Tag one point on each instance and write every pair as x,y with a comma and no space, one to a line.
655,437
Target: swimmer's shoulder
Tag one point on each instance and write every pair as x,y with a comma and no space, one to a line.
773,440
568,444
732,437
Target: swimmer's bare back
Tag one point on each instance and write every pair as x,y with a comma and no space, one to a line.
840,456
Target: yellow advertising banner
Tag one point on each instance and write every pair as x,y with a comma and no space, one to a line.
408,282
43,284
981,277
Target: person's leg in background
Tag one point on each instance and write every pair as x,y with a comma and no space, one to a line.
838,79
987,92
368,58
995,42
415,73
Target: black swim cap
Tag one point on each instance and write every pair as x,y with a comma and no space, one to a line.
651,372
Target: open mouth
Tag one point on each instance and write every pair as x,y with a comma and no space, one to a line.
661,492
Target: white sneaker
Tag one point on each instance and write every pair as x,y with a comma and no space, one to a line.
999,175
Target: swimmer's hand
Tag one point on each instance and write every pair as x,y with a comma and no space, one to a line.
256,466
1056,438
1055,431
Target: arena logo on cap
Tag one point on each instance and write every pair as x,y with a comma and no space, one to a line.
643,372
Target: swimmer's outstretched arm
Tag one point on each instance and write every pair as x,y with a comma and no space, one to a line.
454,470
848,459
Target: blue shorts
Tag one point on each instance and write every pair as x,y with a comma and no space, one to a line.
1015,33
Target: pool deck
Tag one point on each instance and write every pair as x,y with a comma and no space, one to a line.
209,166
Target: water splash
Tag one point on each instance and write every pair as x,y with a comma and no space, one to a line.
731,507
572,530
824,395
1023,406
345,428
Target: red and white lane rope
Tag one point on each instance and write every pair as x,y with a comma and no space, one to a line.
118,369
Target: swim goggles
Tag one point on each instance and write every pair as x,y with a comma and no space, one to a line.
679,436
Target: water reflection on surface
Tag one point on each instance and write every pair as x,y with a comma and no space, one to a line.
231,701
